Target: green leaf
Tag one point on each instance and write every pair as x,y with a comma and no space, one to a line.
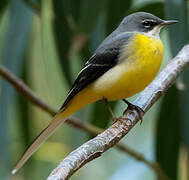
156,8
72,9
12,57
179,36
168,134
116,11
63,36
178,32
89,13
89,16
3,5
184,104
50,58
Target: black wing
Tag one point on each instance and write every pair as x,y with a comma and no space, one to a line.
97,65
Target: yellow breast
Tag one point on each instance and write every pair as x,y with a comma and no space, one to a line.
139,63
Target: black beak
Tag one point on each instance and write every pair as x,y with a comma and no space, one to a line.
168,22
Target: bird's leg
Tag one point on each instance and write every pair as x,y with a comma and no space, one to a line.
110,110
137,108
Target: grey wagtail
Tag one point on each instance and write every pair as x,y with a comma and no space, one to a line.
123,65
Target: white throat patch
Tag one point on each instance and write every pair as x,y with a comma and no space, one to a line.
154,32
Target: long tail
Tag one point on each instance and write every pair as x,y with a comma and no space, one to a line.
83,98
45,133
57,121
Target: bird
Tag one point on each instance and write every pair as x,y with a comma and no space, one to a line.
122,65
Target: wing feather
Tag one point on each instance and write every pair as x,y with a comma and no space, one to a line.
92,70
105,57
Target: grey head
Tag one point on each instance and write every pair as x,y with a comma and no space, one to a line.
143,22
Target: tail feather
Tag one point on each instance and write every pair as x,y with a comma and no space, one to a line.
83,98
38,141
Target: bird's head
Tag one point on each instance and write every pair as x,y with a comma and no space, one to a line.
145,23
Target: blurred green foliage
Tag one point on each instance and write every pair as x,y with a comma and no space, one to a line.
45,43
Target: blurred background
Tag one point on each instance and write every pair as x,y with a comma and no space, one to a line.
45,43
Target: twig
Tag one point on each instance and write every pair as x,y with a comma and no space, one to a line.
22,88
155,166
101,143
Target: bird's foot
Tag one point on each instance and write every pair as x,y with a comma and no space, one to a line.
114,119
136,108
130,107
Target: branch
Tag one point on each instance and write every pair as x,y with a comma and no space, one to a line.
25,90
22,88
101,143
153,165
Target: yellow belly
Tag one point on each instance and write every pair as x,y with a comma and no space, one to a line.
127,78
133,73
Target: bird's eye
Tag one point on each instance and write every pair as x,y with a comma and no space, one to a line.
148,23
